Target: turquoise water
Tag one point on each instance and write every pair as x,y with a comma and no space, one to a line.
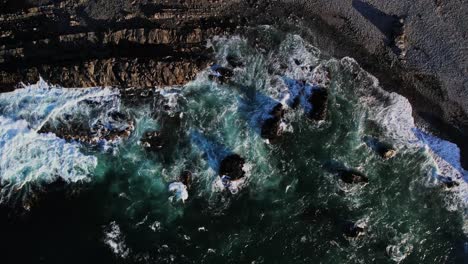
292,206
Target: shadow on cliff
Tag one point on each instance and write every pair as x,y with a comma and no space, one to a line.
389,25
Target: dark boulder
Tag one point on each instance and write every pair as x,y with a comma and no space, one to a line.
186,178
318,99
232,166
277,111
221,74
352,177
152,141
386,152
383,149
117,116
271,127
167,139
296,101
234,61
352,230
449,182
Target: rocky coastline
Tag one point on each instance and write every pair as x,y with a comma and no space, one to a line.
415,48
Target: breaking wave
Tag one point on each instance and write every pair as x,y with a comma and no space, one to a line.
30,157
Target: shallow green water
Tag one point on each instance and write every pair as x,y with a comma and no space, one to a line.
293,207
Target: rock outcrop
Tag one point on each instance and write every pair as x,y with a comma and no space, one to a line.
353,177
106,43
271,127
233,167
220,74
186,178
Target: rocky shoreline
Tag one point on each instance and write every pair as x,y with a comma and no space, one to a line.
414,48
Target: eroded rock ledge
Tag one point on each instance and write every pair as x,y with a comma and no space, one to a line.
106,43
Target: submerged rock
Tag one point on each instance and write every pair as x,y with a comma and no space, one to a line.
221,74
186,178
117,126
449,182
234,61
271,127
277,111
137,96
152,141
232,166
352,177
353,230
388,153
112,127
385,150
318,99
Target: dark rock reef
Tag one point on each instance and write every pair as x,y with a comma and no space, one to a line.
221,74
415,48
233,167
318,100
186,178
152,141
112,127
383,149
353,177
271,127
353,230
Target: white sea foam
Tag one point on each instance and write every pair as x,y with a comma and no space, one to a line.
445,153
222,183
40,102
299,57
30,157
155,226
393,113
115,240
27,156
446,156
179,190
171,100
401,249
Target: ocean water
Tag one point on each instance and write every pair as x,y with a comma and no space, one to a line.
101,197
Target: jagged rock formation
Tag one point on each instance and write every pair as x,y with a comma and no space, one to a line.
105,43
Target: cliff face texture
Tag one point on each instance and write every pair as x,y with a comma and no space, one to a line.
91,43
416,48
